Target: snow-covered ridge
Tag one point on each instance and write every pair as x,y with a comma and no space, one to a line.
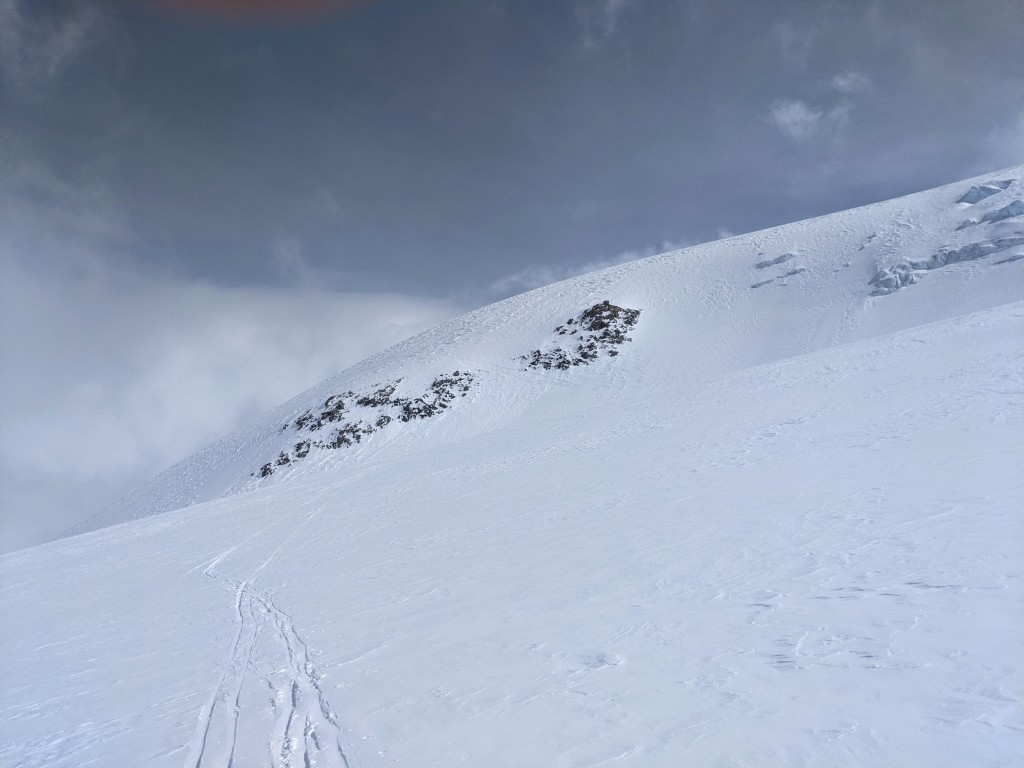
726,305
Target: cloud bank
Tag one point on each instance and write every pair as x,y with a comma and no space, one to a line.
112,372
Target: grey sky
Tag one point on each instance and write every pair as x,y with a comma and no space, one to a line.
199,216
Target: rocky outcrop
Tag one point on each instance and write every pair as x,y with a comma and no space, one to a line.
346,418
595,332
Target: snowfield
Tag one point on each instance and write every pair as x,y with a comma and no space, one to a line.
763,508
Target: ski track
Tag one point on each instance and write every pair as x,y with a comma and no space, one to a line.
299,726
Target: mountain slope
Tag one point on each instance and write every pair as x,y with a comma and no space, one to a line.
725,305
780,526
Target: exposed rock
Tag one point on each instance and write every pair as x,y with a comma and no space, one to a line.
598,330
351,416
379,398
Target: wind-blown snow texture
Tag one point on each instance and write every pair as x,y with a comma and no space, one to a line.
780,526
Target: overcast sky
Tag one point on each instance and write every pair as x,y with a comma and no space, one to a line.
202,214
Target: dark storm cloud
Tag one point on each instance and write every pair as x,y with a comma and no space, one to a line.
441,153
413,143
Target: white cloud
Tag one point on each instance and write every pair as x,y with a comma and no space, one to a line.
795,119
851,82
109,376
804,124
110,373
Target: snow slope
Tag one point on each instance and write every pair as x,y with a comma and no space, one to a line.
781,525
725,306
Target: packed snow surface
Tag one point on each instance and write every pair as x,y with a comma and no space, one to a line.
761,506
